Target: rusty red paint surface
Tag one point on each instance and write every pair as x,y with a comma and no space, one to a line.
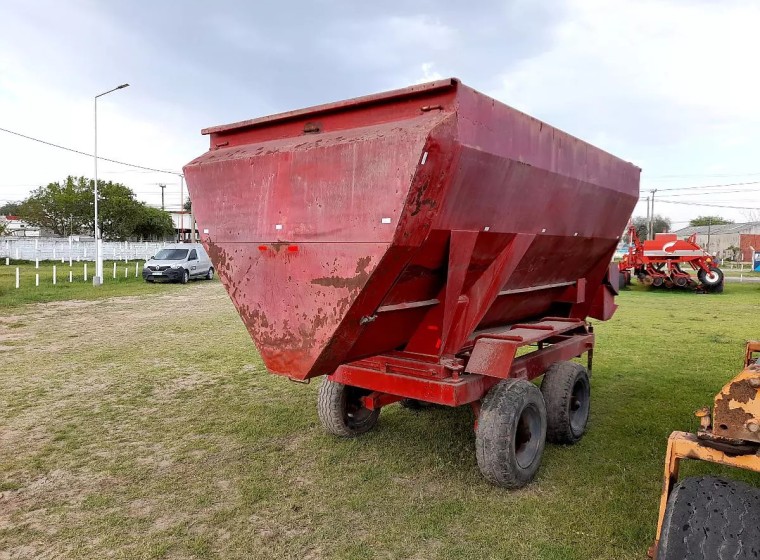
405,220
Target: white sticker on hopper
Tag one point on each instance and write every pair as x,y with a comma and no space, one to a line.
278,226
205,230
424,158
386,221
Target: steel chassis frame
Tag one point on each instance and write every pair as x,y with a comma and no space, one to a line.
485,360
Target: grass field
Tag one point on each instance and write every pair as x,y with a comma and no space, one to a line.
78,288
146,427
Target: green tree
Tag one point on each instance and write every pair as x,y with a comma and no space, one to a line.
661,225
67,208
188,206
3,228
10,209
709,220
59,207
118,211
154,224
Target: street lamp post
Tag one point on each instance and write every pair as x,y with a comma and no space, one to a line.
97,280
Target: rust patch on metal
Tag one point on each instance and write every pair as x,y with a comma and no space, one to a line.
742,392
353,283
219,258
733,417
419,203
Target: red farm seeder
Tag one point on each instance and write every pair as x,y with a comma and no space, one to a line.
659,263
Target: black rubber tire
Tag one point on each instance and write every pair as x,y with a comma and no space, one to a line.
712,280
511,433
210,273
185,277
624,279
709,518
149,280
340,411
567,393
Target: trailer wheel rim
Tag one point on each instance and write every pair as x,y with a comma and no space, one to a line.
712,277
356,415
528,436
579,406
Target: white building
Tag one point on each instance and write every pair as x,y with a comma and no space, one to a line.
16,227
182,224
731,241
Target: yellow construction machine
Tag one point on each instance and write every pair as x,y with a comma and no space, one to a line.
710,518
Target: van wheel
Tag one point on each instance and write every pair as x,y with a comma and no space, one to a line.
210,273
185,277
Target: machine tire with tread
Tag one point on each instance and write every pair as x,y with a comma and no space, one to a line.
711,518
567,393
340,411
511,433
713,280
210,273
185,277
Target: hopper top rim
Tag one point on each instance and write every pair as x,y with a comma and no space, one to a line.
336,106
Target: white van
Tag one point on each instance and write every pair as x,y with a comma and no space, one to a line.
179,263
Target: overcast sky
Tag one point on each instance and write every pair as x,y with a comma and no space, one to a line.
671,85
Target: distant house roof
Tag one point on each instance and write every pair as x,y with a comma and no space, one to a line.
11,218
714,230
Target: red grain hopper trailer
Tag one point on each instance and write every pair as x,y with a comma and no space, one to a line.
411,245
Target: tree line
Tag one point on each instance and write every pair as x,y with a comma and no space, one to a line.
67,208
662,224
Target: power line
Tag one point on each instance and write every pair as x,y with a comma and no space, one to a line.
711,186
88,155
712,193
694,176
709,205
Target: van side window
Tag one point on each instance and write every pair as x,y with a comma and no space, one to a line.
193,255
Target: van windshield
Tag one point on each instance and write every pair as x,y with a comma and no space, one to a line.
171,255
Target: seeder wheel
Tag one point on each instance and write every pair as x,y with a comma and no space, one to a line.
511,433
711,280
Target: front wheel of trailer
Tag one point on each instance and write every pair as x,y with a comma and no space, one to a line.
342,411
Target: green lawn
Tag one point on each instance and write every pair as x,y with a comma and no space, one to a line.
146,427
29,292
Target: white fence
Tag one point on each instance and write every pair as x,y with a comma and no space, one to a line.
75,249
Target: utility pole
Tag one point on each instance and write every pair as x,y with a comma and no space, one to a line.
709,229
647,234
651,216
182,208
163,190
97,280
